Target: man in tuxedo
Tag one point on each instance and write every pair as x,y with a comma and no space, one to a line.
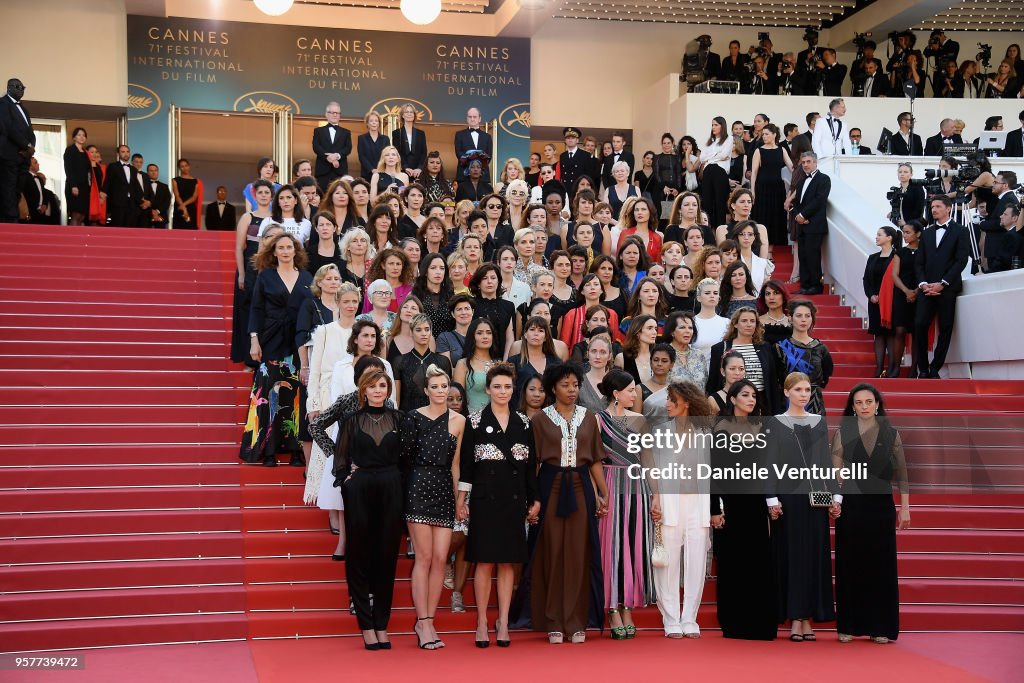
830,73
1015,140
332,144
810,205
734,66
472,136
159,196
935,145
33,189
995,232
941,257
123,190
858,69
17,145
855,146
790,80
873,83
593,167
619,153
574,160
901,143
812,120
712,60
220,214
831,138
943,50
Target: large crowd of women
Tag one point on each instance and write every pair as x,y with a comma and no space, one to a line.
473,376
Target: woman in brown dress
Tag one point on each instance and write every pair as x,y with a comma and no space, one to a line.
562,589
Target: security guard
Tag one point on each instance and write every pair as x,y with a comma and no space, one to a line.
574,160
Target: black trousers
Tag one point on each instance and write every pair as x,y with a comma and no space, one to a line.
714,194
122,216
943,306
9,172
809,251
373,531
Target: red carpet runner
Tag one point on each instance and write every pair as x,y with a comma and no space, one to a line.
126,519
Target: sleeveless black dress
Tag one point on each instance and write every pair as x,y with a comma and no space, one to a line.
903,311
770,192
429,496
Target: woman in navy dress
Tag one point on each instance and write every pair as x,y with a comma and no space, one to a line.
769,188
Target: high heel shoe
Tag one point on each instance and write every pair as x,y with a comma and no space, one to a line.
370,646
428,645
630,628
617,632
482,643
498,641
383,644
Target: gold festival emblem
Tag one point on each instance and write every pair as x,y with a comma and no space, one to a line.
515,120
392,106
142,102
266,102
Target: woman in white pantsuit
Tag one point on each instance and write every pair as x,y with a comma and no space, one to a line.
683,508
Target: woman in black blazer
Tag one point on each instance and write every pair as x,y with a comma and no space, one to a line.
745,335
913,199
370,144
77,178
411,143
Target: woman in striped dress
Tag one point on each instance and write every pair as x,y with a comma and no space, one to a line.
626,532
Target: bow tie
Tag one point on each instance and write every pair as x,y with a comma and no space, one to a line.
947,139
474,130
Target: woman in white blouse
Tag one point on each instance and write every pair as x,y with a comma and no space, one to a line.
714,164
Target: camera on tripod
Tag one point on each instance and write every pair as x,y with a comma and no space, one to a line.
860,40
984,55
961,177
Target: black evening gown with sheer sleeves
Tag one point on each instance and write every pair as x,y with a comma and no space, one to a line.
770,192
867,582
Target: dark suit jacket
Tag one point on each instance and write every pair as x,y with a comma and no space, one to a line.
575,167
160,201
215,221
33,197
994,233
933,147
15,134
733,72
713,66
1014,144
813,204
899,147
861,149
879,86
832,78
464,142
121,192
946,261
322,145
369,153
414,152
609,161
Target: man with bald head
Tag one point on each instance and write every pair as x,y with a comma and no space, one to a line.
472,136
332,144
17,145
935,145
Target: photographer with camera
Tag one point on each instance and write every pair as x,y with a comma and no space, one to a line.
865,55
994,238
908,199
699,62
943,181
807,58
789,78
830,74
944,51
872,84
902,46
758,81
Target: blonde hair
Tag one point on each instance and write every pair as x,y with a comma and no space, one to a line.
366,119
520,234
434,371
346,242
794,378
349,288
382,165
704,284
319,277
516,164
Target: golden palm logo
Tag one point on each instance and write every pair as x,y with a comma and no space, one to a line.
520,117
515,120
142,102
266,102
139,101
391,107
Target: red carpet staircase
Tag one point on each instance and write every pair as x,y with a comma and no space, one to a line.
125,518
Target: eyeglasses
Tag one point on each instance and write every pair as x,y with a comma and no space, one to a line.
494,206
383,293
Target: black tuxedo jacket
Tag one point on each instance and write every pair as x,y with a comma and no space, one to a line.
813,204
946,261
994,233
413,152
832,78
159,200
933,147
1014,143
879,86
609,161
574,167
15,134
464,142
898,146
216,221
713,66
733,72
120,191
33,197
322,145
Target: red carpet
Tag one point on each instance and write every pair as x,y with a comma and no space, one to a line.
127,520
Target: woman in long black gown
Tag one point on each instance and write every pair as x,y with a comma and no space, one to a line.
188,197
880,322
246,246
374,448
746,582
77,178
769,188
800,532
867,583
275,408
904,297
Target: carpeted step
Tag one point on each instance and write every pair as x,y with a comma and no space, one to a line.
108,476
155,498
121,548
928,388
83,362
129,522
207,321
16,290
130,602
120,396
70,335
91,415
56,577
120,454
116,348
59,435
835,401
112,282
234,376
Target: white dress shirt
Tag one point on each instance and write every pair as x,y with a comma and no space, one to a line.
830,140
718,153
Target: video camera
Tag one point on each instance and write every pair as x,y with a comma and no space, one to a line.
811,35
984,55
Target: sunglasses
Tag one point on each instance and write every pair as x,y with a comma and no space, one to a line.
493,206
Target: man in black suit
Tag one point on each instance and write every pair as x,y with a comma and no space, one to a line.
332,144
17,145
858,69
472,136
220,214
901,143
995,232
941,257
712,61
809,205
1015,140
574,161
159,197
33,189
872,83
593,167
943,50
789,79
734,66
619,153
935,145
830,74
812,120
855,145
123,190
806,58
